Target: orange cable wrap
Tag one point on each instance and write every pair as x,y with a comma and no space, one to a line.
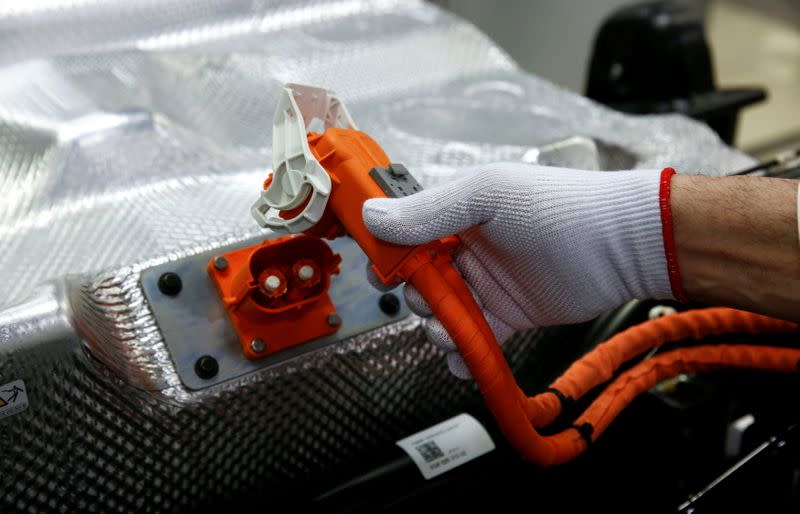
647,374
483,357
449,299
600,364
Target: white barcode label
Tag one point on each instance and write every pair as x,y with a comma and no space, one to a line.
449,444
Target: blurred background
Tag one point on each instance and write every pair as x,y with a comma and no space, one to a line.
753,42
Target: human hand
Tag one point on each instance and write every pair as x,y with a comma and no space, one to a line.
540,246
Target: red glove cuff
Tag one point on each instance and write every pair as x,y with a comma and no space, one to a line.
669,238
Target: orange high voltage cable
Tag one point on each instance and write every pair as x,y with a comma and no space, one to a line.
600,364
642,377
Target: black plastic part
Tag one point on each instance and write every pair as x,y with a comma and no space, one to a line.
654,58
170,283
206,367
786,166
585,430
395,180
566,401
389,303
763,480
609,323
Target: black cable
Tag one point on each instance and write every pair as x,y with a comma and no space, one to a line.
772,163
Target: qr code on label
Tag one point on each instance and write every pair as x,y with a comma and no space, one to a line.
430,451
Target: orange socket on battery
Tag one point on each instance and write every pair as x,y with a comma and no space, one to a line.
276,293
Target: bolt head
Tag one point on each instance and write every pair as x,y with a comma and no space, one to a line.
170,283
389,303
334,319
220,263
258,345
206,367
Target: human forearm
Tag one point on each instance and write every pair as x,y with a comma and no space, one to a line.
736,242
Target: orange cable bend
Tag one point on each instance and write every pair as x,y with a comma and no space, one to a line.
600,364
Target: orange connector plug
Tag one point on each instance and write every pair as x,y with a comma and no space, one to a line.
276,292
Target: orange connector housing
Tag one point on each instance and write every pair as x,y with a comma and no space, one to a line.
348,155
276,293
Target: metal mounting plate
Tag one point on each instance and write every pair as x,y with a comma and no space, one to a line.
194,323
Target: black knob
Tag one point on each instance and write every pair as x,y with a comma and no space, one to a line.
389,303
206,367
170,283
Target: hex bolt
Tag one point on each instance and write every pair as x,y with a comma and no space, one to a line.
258,345
206,367
170,283
305,272
220,263
334,319
272,283
389,303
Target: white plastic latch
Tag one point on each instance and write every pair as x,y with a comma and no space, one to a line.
297,175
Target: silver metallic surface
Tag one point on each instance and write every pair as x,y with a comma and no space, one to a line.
146,133
258,345
194,323
134,134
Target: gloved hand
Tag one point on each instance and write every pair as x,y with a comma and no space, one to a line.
540,246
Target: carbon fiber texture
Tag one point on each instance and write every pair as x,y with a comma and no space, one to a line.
96,444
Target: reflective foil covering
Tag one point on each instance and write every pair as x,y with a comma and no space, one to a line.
134,133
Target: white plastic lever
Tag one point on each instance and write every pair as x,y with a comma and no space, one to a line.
297,175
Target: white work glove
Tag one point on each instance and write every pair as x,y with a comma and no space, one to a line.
540,246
